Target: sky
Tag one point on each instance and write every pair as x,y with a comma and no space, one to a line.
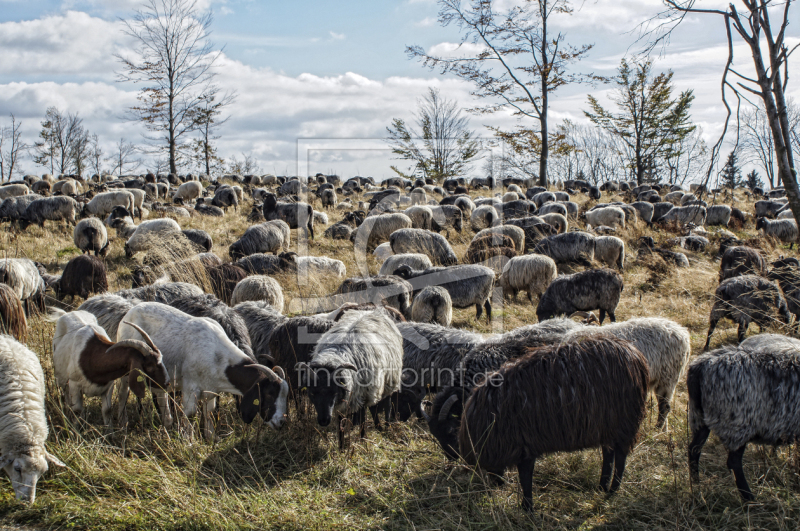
318,82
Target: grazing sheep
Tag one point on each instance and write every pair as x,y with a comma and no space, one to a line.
82,276
163,293
90,235
150,233
267,264
435,246
610,250
41,187
381,290
270,237
468,285
421,217
224,197
585,291
292,342
567,397
108,309
209,306
552,208
261,320
568,247
744,394
534,228
418,196
432,305
661,209
446,217
718,215
102,204
383,252
557,221
259,288
224,279
378,229
767,209
329,199
685,214
296,215
608,216
200,238
644,210
784,230
208,210
531,273
415,261
483,217
320,266
13,208
466,205
22,276
542,198
23,424
741,260
12,314
516,234
49,209
745,299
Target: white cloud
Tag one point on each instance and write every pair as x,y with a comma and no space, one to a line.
337,36
453,50
425,22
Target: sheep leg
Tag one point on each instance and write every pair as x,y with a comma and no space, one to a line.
735,464
612,316
699,438
602,315
620,456
76,400
663,411
122,398
376,418
711,326
742,331
525,470
106,405
488,306
209,406
478,311
605,470
341,433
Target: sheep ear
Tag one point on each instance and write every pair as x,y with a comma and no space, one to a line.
53,460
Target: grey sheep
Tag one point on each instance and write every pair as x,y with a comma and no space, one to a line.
269,237
23,277
435,246
225,197
610,250
685,214
90,235
542,198
378,229
415,261
163,293
784,230
261,320
718,215
13,208
585,291
468,285
660,209
50,209
568,247
611,216
741,260
267,264
746,299
552,208
296,215
767,209
516,234
645,210
200,238
258,288
386,290
109,309
102,204
532,273
432,305
328,198
446,217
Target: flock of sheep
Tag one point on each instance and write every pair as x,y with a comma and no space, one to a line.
382,343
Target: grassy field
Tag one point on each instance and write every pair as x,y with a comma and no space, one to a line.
254,478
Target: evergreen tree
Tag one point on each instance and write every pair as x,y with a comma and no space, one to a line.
753,180
731,173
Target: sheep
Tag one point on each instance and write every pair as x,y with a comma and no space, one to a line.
542,198
13,190
108,309
468,285
70,187
87,363
413,260
138,201
531,273
259,288
644,210
261,320
267,264
320,218
516,234
648,246
23,422
41,187
608,216
209,306
22,276
148,233
381,290
674,197
418,196
745,299
12,314
49,209
296,215
369,345
664,344
320,266
552,208
744,394
224,279
292,342
466,205
90,235
378,229
125,226
432,305
82,276
102,204
483,217
421,217
610,250
446,217
383,252
339,231
784,230
741,260
201,359
13,208
435,246
685,214
224,197
163,293
718,215
208,210
585,291
557,221
510,196
200,239
530,414
767,209
568,247
270,237
328,198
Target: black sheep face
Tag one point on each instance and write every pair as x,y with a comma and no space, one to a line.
445,420
408,402
325,390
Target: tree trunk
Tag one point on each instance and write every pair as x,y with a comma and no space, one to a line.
172,166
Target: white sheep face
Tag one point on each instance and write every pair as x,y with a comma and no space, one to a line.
24,472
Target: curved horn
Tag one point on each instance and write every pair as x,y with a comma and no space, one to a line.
141,346
143,334
425,415
262,368
585,315
446,407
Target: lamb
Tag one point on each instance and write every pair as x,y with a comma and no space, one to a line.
531,415
270,237
259,288
378,229
90,235
784,230
261,320
381,290
516,234
421,217
585,291
483,217
744,394
49,209
12,314
608,216
432,305
87,363
102,204
467,285
292,342
207,305
568,247
23,423
413,260
664,344
435,246
148,233
531,273
685,214
82,276
224,197
610,250
718,215
369,345
745,299
296,215
22,276
741,260
201,359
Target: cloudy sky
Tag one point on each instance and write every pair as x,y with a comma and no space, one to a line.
319,81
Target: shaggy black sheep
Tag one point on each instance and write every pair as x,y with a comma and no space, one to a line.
82,276
585,291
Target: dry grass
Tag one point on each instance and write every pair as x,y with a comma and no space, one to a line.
254,478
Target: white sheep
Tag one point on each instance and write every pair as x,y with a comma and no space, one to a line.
610,250
608,216
102,204
13,190
189,191
531,273
148,232
320,266
22,276
383,251
259,288
432,305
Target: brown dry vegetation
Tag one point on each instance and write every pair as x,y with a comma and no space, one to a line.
255,478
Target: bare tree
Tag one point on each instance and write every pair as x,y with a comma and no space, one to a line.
689,160
770,54
123,157
207,120
11,148
521,61
80,152
59,136
247,166
95,155
174,58
756,141
443,147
